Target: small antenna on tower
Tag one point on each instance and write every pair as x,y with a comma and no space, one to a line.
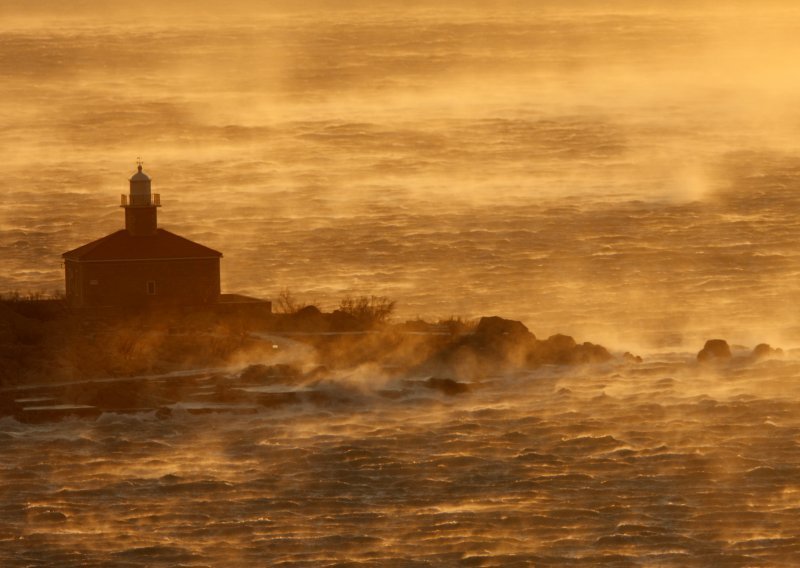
139,162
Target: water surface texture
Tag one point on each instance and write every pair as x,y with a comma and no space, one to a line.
628,175
594,171
661,464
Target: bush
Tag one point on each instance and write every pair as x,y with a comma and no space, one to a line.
287,303
370,311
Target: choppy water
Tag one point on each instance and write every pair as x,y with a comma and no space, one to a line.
625,175
662,464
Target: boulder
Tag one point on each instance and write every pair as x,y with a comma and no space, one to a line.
765,351
564,350
556,350
497,345
588,353
714,350
494,326
629,357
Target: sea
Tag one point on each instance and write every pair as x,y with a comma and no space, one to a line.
625,173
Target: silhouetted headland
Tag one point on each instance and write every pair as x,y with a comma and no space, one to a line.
59,361
137,359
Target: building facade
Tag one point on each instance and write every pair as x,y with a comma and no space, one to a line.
141,264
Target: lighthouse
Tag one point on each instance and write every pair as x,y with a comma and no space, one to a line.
141,264
141,205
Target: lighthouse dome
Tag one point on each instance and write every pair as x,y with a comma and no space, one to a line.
140,175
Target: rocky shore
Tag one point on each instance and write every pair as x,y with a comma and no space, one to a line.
57,363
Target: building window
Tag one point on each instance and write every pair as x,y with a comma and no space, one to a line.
151,287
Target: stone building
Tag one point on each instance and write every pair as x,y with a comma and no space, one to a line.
142,264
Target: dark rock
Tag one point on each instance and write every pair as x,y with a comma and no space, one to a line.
765,351
499,345
563,350
559,342
446,386
500,338
590,353
494,326
556,350
714,350
631,358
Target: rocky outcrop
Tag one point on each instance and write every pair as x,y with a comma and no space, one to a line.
494,327
765,351
715,350
588,353
564,350
500,345
631,358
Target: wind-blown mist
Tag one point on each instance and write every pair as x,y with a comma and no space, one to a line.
626,173
665,464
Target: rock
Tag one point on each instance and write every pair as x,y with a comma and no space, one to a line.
494,326
631,358
556,350
590,353
560,342
563,350
714,350
765,351
499,345
496,345
447,386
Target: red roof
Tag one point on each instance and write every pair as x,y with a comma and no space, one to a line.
124,246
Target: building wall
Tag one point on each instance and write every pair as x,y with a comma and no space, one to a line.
141,220
145,282
72,281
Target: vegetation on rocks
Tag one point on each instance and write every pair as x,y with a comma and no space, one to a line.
43,341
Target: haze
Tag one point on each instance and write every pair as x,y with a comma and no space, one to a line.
621,172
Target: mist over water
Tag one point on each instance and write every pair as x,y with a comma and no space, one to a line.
624,174
589,171
663,464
